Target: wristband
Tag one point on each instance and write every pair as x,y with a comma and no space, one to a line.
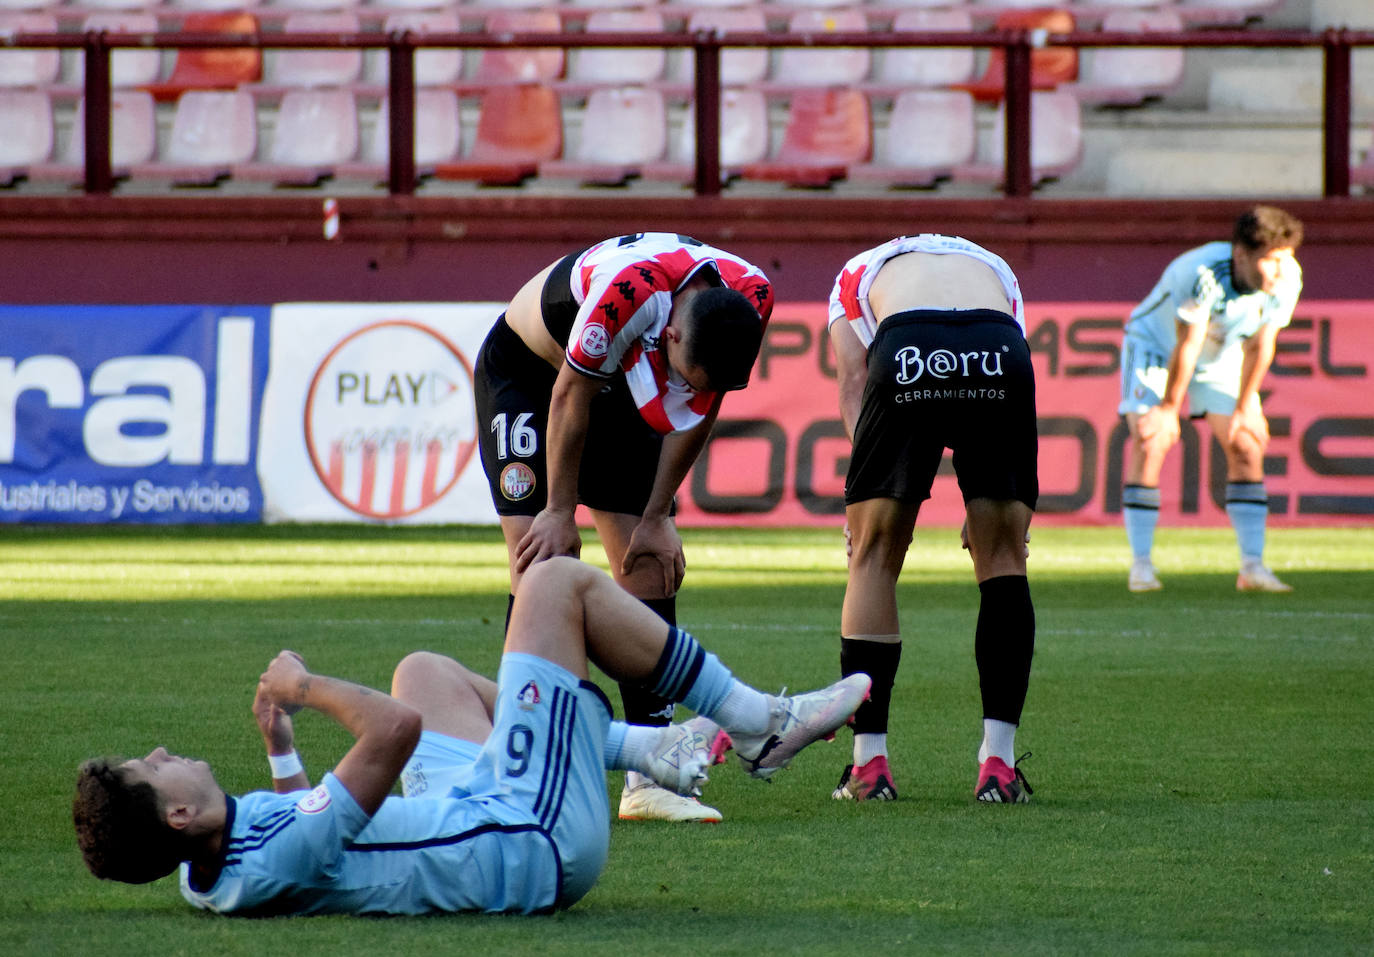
285,765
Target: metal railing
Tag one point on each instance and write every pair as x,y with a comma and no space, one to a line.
1018,44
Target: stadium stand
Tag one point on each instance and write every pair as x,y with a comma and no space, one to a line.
1050,66
739,66
901,68
516,65
438,138
930,134
591,67
826,132
433,67
127,67
831,66
28,67
618,131
518,127
313,131
1125,76
27,119
744,130
133,140
1056,140
212,132
212,69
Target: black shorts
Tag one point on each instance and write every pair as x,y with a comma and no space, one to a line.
514,387
938,379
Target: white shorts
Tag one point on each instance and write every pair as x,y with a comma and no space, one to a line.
1145,373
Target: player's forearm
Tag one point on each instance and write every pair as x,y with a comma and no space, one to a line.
1255,363
369,715
675,459
1182,363
567,436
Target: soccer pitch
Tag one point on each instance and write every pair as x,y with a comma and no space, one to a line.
1201,757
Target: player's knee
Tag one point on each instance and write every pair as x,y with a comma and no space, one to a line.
419,668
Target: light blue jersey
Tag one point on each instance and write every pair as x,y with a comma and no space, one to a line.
1197,287
528,832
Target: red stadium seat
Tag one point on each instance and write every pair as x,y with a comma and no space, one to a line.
518,127
212,69
521,65
827,131
1050,66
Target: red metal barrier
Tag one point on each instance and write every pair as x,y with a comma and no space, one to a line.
1336,45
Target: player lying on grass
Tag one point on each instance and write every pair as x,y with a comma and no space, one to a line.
506,806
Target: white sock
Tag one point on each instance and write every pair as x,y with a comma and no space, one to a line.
869,746
744,710
999,741
635,743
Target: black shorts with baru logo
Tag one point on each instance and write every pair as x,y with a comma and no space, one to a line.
946,379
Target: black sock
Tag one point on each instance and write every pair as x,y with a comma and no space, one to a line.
878,660
1003,646
642,706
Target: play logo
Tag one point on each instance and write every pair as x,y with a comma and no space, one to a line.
390,420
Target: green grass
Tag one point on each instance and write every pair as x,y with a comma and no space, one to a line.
1201,762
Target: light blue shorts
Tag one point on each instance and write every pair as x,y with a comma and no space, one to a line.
1145,373
543,764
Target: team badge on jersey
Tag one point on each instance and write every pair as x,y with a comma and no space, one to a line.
595,341
314,802
528,696
517,481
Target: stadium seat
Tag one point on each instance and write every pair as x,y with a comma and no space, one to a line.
314,131
901,68
297,67
127,67
743,139
1223,13
518,127
521,65
622,128
1050,66
433,67
1130,75
832,66
608,66
1362,173
826,132
133,139
1056,140
26,118
740,66
28,67
930,134
437,137
212,69
212,131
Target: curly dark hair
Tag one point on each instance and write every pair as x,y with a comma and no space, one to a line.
722,335
1267,227
119,825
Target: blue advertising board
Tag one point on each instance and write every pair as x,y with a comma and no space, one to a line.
139,414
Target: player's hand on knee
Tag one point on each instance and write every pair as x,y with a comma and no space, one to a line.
657,540
1159,426
552,533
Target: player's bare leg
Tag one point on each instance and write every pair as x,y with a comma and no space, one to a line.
879,534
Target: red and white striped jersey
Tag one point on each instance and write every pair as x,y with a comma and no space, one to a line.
624,289
849,298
